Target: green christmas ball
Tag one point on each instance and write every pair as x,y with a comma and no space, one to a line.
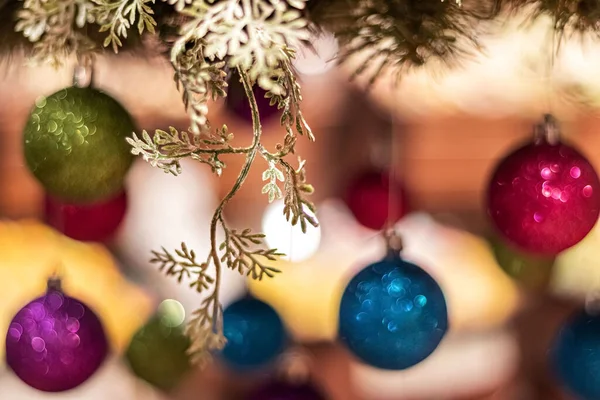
532,271
157,353
74,144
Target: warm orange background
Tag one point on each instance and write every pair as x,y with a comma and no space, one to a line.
444,161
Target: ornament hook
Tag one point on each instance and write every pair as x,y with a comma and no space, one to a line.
547,131
83,73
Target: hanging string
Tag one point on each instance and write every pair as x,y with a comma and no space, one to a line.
393,241
550,69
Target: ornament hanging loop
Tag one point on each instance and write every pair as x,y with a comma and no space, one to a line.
83,73
547,131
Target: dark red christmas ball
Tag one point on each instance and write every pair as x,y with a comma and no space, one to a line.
544,198
368,198
55,343
237,102
87,222
278,390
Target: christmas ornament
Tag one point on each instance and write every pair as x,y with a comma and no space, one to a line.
158,351
55,343
279,390
237,102
531,270
392,314
368,197
255,334
75,145
87,222
576,356
31,251
545,196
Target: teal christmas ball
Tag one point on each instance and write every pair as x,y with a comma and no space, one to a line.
392,315
74,144
255,334
575,356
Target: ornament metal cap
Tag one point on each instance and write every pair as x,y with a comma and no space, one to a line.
54,283
83,72
295,366
547,131
592,303
393,242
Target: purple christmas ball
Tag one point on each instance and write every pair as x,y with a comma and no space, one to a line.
286,391
55,343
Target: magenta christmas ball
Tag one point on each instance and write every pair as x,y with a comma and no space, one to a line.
544,198
55,343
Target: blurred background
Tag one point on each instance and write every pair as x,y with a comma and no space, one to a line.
441,133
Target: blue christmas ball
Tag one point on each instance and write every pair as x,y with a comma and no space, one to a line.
392,315
255,334
576,356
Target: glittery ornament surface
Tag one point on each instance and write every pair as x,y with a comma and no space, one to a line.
158,351
392,315
74,144
55,343
544,198
576,356
368,198
285,391
95,222
255,334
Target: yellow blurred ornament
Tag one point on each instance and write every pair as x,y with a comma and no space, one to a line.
31,252
307,295
577,270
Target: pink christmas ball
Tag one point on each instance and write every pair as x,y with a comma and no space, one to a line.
55,343
286,391
96,222
544,198
368,198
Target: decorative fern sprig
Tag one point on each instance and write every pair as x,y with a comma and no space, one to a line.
254,37
117,16
242,251
242,257
52,25
296,204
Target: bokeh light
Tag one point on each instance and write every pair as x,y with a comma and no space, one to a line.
321,58
290,240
